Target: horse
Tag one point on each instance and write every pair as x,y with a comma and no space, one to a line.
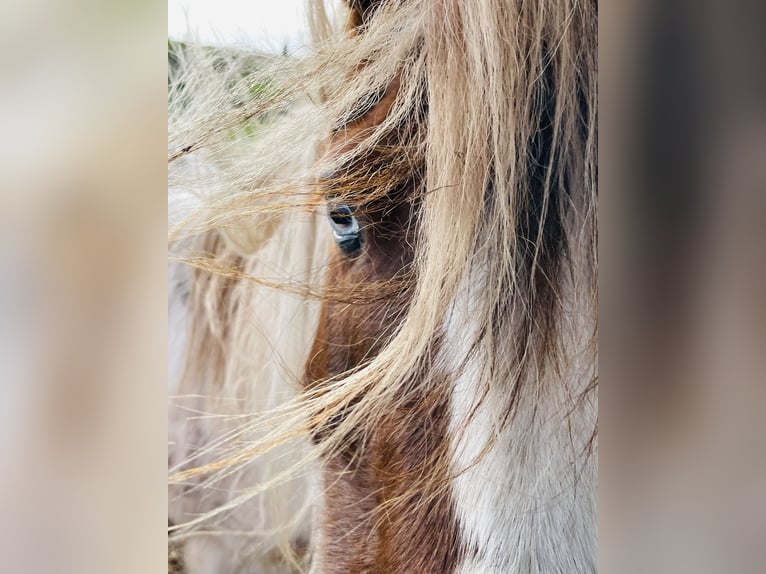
383,304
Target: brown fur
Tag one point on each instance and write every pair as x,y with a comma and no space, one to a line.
374,520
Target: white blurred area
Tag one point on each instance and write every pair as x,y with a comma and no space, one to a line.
82,233
265,25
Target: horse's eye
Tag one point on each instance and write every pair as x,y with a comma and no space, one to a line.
345,228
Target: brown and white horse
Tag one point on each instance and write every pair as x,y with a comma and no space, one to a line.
385,304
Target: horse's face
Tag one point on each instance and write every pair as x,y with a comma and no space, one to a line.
371,257
373,518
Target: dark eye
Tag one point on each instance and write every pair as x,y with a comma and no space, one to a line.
345,228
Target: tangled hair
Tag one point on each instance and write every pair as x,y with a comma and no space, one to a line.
493,126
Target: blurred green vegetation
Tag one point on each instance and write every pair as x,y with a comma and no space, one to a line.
237,64
234,66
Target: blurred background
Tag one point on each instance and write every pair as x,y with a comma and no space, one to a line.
83,299
273,27
682,284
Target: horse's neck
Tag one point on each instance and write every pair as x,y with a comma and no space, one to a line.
528,502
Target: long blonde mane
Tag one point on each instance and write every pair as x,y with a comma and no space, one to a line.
500,100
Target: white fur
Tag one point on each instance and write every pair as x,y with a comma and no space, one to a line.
529,505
